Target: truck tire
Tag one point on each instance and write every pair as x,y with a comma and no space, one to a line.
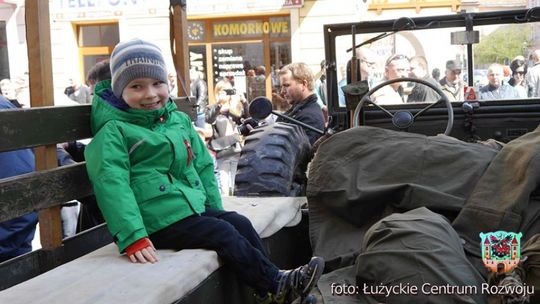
273,162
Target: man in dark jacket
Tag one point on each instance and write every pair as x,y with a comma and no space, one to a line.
420,92
297,85
16,234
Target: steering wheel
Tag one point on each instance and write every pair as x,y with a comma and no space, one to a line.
403,119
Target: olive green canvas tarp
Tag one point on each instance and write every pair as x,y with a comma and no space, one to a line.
430,258
381,172
420,249
507,195
362,174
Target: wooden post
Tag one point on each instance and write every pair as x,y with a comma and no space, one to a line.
38,39
179,46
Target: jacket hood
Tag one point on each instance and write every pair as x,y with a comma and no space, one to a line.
104,110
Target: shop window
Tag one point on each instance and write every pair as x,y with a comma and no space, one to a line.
4,60
280,55
98,35
247,51
238,62
96,43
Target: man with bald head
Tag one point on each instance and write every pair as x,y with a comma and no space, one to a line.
533,74
367,62
496,88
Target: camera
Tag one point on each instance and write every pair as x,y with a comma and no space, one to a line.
230,91
69,90
244,129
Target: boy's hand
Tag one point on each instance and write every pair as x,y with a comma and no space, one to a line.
147,254
142,251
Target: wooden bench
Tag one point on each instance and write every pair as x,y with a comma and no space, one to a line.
87,268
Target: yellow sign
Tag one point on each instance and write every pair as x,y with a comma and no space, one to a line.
250,28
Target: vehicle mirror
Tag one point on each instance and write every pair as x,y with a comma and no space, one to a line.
260,107
464,37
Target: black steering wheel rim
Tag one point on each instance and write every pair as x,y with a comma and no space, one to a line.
444,98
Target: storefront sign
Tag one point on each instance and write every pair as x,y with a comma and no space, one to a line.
227,62
197,59
293,3
91,9
249,29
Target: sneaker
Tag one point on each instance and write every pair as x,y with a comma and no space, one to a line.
299,282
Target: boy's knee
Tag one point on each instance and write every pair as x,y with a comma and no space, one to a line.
238,220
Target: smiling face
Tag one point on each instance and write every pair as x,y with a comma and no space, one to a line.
146,94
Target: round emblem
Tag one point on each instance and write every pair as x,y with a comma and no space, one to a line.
195,31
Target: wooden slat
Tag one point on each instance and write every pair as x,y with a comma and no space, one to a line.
22,128
30,265
38,39
27,128
39,190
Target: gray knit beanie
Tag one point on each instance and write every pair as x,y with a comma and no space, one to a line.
136,59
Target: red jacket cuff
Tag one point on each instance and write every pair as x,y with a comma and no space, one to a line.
138,245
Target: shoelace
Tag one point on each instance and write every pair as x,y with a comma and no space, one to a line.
288,279
296,278
283,282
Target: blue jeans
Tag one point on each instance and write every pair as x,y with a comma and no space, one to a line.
201,119
16,236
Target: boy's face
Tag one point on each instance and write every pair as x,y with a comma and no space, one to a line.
146,94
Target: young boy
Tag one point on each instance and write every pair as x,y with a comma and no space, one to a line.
154,182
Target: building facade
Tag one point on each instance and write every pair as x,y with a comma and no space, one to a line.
226,38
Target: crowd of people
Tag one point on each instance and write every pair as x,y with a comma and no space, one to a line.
513,81
223,121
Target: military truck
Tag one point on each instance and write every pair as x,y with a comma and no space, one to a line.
459,151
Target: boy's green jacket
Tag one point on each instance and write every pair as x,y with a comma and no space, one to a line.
140,166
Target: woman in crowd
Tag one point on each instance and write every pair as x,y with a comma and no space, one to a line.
519,70
225,115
